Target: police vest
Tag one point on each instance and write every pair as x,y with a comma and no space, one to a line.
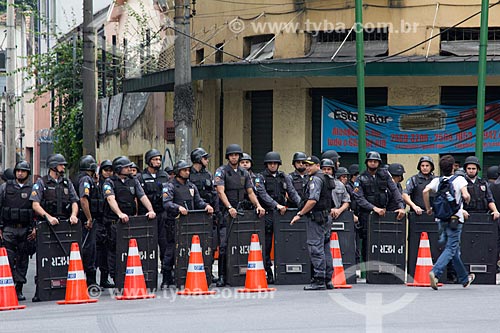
275,186
354,204
327,185
203,182
419,184
124,195
153,188
477,191
375,189
299,183
183,194
246,204
95,197
16,204
234,185
56,200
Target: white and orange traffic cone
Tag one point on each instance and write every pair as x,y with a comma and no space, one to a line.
8,296
135,284
76,284
255,281
196,280
338,277
424,264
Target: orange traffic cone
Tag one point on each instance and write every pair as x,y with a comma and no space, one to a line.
135,285
424,264
8,296
338,277
76,284
196,280
256,276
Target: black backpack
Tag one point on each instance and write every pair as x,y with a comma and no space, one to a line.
445,205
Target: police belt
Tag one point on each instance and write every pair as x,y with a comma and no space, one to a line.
318,214
16,225
16,214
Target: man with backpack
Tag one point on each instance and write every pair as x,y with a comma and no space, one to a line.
448,210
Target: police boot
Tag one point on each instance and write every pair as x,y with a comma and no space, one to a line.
221,282
19,292
316,284
270,276
105,283
92,283
329,284
167,280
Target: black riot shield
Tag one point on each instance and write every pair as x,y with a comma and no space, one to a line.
416,225
145,231
386,249
291,258
240,232
344,227
197,222
52,259
479,247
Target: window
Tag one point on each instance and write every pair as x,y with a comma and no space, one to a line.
200,56
258,47
219,53
2,61
465,41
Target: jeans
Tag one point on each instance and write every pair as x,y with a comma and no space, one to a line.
451,252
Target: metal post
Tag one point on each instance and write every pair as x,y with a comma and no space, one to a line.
360,74
10,114
103,67
481,78
113,41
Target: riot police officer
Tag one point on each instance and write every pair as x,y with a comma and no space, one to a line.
342,174
317,208
332,155
179,196
492,174
232,183
134,170
412,194
372,191
299,176
16,223
153,180
272,187
397,171
91,207
246,162
121,191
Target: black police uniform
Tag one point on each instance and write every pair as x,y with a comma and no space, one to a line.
102,235
415,185
16,223
299,183
480,194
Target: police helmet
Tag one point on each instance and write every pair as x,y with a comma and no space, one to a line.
331,154
299,156
88,163
56,159
119,163
106,164
246,157
134,166
169,170
233,148
8,174
396,169
341,171
492,172
180,165
326,162
197,154
23,165
472,160
272,156
353,169
373,155
425,159
150,154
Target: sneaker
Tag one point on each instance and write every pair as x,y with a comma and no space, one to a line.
434,280
470,279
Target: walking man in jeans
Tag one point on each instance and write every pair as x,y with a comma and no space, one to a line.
452,231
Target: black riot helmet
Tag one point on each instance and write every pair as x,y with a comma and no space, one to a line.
169,169
492,172
341,171
425,159
8,174
353,169
23,165
472,160
326,162
246,157
134,166
396,169
331,154
119,163
197,154
105,164
373,155
56,159
299,156
88,163
150,154
233,148
180,165
272,156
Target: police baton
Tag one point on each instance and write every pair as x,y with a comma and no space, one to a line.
55,234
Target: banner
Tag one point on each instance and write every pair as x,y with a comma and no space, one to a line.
434,129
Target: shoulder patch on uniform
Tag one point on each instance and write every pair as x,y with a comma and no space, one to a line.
35,187
408,182
311,186
33,193
86,184
107,187
218,173
356,183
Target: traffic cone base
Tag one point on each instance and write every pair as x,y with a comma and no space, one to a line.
76,283
255,281
135,285
424,264
338,276
196,280
8,295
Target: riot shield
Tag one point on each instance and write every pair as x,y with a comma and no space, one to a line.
479,247
52,258
386,249
145,231
197,222
344,227
240,230
291,257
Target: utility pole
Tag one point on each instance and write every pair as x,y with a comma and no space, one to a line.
360,74
10,114
89,78
183,90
